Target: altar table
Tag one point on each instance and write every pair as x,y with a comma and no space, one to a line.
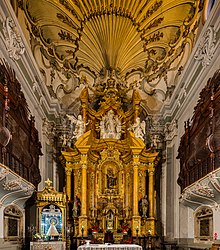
48,245
109,247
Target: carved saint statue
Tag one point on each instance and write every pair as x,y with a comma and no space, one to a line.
144,204
110,126
76,207
110,220
111,179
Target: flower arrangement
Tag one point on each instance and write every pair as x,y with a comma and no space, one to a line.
39,236
95,229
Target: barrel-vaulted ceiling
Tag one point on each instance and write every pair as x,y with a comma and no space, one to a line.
144,44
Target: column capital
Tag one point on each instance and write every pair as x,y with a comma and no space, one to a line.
151,171
68,171
83,158
136,164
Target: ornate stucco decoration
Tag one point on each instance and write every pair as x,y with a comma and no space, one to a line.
3,173
49,131
206,47
14,189
203,192
143,41
13,39
12,210
170,130
12,185
155,128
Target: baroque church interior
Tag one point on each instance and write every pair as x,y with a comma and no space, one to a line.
110,124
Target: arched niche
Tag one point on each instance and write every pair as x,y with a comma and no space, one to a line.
203,224
13,221
110,176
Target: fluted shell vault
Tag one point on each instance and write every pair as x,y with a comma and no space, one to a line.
144,44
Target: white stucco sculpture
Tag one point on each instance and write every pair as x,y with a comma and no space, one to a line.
80,125
139,128
110,126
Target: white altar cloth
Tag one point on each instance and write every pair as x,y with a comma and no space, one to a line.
48,245
109,247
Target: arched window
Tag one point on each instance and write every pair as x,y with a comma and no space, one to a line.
204,224
13,229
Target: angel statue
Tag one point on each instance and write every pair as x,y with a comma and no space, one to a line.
139,128
80,125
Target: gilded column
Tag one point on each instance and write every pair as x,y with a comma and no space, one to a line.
136,219
83,216
151,192
68,172
84,184
135,189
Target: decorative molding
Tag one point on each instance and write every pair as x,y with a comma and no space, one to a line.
3,173
49,131
206,47
13,39
215,181
203,190
13,211
12,185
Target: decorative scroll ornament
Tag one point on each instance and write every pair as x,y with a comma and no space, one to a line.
206,47
12,185
215,180
12,211
13,40
203,190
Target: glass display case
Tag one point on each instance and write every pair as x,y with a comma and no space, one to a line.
51,221
51,209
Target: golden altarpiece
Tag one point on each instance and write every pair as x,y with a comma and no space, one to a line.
106,167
